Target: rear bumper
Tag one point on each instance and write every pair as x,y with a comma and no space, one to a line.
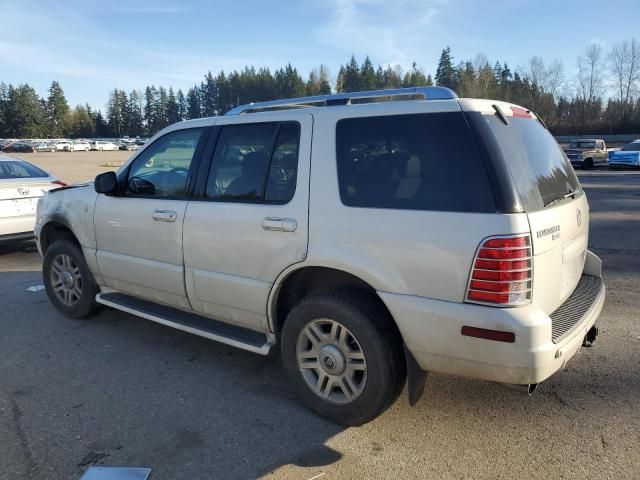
432,332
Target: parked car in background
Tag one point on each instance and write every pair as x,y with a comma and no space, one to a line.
22,147
586,153
62,145
79,146
627,156
44,147
130,146
21,184
101,145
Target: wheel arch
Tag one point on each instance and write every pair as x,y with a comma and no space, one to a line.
302,280
55,229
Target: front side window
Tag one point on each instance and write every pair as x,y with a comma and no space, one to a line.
255,163
162,170
415,162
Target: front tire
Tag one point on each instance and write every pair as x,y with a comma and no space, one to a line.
587,164
344,356
68,281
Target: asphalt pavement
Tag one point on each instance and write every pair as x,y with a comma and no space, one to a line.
117,390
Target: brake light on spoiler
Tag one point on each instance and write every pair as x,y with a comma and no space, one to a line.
502,272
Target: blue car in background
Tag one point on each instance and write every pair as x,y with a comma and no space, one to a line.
627,156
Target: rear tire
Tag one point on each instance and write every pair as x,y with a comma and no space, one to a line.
344,346
68,281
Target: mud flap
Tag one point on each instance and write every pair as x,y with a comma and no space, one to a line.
416,378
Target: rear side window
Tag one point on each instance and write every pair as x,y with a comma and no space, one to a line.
255,163
413,162
537,164
17,169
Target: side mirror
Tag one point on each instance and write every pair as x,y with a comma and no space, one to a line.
106,183
140,186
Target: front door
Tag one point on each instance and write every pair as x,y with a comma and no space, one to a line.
249,221
139,231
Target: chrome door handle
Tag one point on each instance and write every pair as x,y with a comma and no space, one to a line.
277,224
164,216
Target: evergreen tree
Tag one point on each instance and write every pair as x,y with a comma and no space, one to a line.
194,109
352,76
134,118
102,129
172,108
445,73
182,105
209,96
429,81
367,79
415,77
4,105
25,113
57,111
80,123
289,83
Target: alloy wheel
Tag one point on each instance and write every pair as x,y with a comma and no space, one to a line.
331,361
66,280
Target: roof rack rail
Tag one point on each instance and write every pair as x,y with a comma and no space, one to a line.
349,98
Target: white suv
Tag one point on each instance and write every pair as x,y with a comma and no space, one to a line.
375,235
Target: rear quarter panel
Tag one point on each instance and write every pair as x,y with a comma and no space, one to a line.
424,253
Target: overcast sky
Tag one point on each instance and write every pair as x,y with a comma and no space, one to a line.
93,46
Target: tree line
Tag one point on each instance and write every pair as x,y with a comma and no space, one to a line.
569,105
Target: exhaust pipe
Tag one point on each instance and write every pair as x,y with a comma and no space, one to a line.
526,389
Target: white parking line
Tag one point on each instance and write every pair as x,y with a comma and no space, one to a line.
35,288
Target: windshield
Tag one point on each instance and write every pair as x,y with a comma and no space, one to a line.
538,166
582,145
631,147
17,169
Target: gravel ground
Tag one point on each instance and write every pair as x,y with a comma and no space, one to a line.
119,391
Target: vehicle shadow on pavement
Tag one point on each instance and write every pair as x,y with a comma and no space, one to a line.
121,391
17,247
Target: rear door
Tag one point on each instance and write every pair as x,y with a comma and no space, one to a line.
553,199
249,219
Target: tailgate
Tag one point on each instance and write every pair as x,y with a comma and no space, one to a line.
559,235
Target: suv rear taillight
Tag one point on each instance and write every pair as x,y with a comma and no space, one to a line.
501,273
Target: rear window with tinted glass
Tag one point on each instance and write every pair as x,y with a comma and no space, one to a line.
17,169
415,162
538,166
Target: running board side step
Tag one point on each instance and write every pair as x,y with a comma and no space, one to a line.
228,334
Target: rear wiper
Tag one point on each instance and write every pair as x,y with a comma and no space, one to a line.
570,193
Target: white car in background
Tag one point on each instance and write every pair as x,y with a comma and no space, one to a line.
21,185
102,145
78,147
62,145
